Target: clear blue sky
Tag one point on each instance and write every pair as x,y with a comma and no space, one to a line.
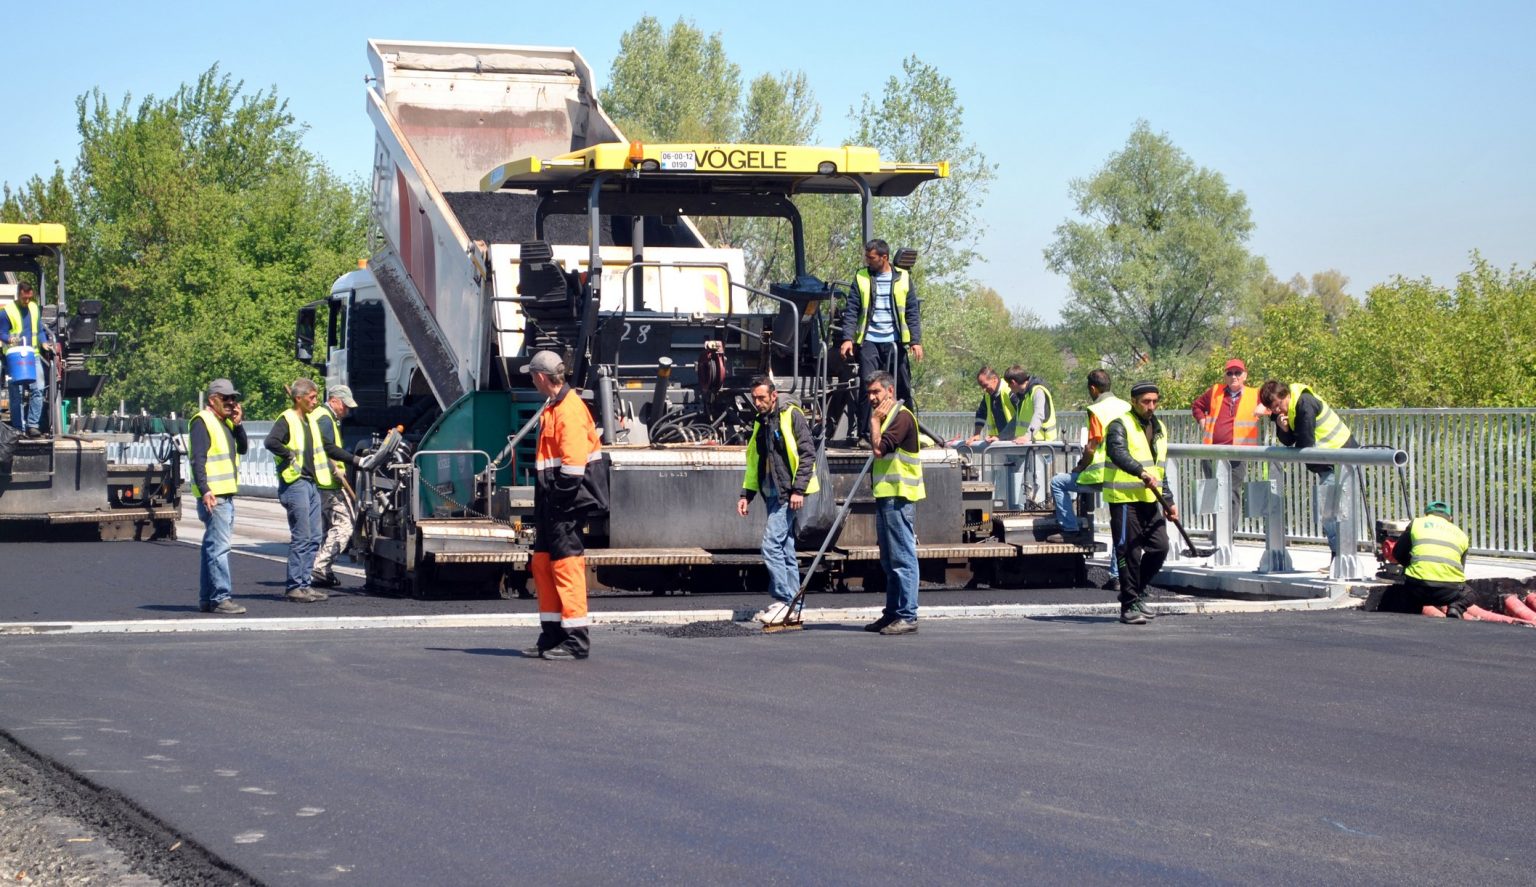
1375,138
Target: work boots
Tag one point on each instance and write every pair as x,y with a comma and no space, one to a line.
1129,615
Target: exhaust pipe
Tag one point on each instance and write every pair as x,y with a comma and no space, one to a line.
659,397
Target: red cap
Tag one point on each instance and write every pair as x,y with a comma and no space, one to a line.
1237,364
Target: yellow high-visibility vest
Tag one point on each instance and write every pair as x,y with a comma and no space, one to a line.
1439,550
13,314
1106,410
900,284
899,472
1122,486
791,449
223,464
293,468
1331,432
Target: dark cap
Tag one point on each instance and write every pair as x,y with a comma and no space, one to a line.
343,394
1141,388
1236,363
544,362
223,388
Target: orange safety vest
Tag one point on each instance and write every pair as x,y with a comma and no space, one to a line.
1245,425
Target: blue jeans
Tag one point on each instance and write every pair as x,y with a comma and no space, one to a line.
1063,486
28,405
301,499
898,555
1328,513
213,580
779,548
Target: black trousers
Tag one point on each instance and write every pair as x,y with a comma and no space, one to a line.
1140,535
888,356
1456,598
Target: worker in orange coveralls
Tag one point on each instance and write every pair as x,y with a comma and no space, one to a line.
569,484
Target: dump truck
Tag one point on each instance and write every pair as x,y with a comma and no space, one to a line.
66,477
515,217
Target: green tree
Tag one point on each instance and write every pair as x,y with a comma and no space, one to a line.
1158,256
673,85
202,224
977,329
1411,344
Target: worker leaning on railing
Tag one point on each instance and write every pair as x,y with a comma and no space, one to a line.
1303,420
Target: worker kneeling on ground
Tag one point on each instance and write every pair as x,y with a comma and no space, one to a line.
568,485
1133,485
781,467
1434,554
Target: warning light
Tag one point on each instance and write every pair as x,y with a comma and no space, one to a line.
636,152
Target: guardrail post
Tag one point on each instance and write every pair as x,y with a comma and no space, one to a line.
1226,521
1348,564
1276,559
1170,482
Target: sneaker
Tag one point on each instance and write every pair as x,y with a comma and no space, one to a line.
34,434
533,652
900,626
227,607
1110,584
1141,607
301,596
1070,537
316,594
774,613
323,580
1129,615
561,653
880,624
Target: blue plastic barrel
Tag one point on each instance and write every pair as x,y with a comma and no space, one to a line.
21,363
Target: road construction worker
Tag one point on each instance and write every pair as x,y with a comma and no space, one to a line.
304,466
216,441
1228,413
781,465
336,502
883,320
1433,552
994,415
1137,443
897,482
1088,475
21,328
1034,421
1303,419
569,483
1029,396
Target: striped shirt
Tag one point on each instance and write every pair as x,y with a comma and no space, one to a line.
882,311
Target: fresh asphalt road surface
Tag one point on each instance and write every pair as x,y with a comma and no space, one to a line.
94,581
1339,747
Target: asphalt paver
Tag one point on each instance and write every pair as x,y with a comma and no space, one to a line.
1339,747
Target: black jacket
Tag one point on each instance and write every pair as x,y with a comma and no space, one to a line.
773,456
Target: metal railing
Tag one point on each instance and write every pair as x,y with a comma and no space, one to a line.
1478,461
258,468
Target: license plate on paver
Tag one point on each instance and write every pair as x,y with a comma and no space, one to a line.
679,161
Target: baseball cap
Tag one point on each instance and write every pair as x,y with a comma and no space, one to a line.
223,388
343,394
1438,507
1237,364
544,362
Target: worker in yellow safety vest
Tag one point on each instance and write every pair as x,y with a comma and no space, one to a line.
215,442
897,484
1088,476
1304,420
994,415
335,503
21,327
1137,444
781,465
299,448
883,321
